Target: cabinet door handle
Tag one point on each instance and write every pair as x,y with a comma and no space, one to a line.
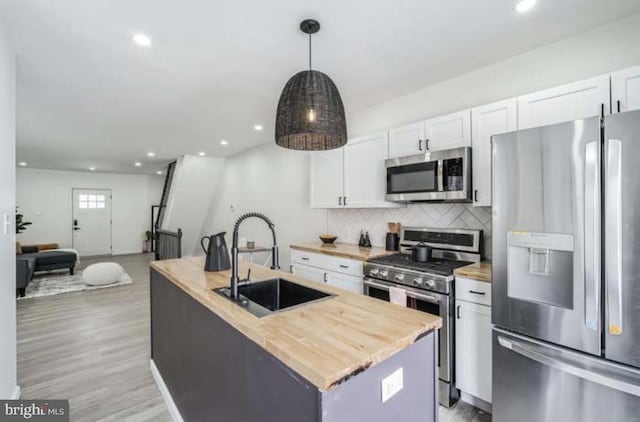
420,144
291,268
618,105
344,266
477,292
475,195
344,201
304,258
458,312
426,144
324,277
340,200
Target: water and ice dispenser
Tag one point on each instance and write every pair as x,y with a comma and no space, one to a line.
540,267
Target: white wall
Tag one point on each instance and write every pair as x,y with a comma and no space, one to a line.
602,50
44,197
8,378
194,186
275,182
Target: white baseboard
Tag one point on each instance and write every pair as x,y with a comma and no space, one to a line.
16,393
166,395
476,402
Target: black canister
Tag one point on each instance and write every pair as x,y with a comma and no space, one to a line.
392,242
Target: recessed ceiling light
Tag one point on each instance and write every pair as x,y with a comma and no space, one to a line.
92,168
22,164
525,5
202,154
224,142
151,154
158,172
257,128
137,164
141,39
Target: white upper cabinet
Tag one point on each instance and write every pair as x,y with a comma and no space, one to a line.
576,100
625,90
353,176
406,140
450,131
327,179
488,120
365,176
444,132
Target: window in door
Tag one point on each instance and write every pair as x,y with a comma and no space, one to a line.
92,201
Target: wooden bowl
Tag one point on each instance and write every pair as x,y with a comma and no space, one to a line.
328,238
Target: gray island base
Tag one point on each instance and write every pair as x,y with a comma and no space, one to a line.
209,371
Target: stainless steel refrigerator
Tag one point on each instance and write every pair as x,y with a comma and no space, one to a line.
566,272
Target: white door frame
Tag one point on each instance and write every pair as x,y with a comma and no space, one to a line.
110,193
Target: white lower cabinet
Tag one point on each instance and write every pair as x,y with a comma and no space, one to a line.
310,273
343,273
345,281
473,339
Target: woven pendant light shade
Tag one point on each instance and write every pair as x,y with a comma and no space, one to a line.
310,113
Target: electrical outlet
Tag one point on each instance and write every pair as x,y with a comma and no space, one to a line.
392,384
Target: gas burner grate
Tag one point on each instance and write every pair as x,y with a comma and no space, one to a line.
437,266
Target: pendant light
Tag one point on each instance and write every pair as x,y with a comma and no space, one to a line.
310,114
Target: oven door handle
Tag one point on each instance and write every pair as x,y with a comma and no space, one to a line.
410,293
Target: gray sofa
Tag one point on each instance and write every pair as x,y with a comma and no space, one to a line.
31,260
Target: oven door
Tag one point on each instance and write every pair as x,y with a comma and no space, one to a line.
431,303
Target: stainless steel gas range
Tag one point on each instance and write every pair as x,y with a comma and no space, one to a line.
428,285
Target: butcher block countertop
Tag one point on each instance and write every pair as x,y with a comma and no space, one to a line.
325,341
345,250
479,271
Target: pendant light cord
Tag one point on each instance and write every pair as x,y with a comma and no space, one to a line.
310,52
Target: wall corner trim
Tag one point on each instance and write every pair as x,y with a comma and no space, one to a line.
16,393
164,391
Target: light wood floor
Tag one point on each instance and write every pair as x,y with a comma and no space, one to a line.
93,348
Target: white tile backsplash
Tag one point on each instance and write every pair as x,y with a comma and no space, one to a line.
347,223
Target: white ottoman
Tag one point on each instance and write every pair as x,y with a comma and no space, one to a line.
102,274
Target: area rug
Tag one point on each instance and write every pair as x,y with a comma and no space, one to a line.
57,282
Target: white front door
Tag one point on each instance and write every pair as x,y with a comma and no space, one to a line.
91,223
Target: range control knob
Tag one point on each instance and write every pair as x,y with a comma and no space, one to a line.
384,273
418,281
374,271
399,277
430,283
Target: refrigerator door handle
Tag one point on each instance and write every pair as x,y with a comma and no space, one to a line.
613,241
592,236
537,354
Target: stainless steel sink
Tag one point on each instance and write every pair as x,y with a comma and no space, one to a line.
263,298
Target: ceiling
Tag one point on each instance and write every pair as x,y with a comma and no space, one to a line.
88,97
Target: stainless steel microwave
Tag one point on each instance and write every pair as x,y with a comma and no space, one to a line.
434,176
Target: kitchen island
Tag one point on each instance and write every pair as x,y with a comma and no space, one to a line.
327,360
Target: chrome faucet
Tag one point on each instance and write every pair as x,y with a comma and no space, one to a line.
234,250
